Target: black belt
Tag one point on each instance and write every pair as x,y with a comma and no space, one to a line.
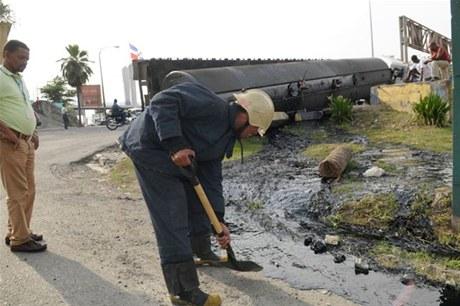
22,136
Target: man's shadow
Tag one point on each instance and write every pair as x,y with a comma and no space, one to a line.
261,292
80,286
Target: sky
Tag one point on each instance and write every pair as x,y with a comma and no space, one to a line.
331,29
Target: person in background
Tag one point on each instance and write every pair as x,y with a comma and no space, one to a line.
117,111
440,60
18,142
415,70
65,117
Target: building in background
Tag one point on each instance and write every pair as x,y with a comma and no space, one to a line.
130,87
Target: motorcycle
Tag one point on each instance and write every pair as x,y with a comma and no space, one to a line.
113,122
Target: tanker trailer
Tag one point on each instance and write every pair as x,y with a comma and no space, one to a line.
295,86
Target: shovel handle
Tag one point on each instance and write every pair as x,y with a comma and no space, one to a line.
190,173
208,208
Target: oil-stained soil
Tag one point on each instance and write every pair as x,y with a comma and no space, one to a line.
276,199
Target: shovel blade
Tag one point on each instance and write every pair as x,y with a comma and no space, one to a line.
242,266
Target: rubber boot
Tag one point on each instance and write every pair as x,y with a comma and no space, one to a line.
183,286
201,247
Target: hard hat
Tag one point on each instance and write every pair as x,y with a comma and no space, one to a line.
259,107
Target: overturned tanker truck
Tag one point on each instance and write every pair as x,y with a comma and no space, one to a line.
299,90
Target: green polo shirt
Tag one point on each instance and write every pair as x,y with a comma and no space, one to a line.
15,109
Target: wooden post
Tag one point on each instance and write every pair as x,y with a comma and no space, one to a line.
455,9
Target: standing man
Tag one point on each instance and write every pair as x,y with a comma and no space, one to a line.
65,117
440,60
18,142
183,123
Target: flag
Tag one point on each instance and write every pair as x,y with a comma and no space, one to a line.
134,52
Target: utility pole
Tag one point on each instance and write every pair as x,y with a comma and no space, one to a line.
372,31
102,78
455,10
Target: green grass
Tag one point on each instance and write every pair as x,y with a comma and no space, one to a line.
321,151
386,126
373,211
319,135
432,110
255,205
440,214
388,167
435,268
296,129
251,146
123,176
347,186
341,109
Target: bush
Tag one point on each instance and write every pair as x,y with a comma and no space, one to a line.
432,110
341,109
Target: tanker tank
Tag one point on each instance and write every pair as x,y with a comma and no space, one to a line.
293,86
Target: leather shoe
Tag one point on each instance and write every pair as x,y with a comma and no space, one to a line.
35,237
30,246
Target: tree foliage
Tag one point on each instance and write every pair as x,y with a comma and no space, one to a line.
56,90
75,68
6,14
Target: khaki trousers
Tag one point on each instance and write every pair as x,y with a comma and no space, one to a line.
17,172
440,69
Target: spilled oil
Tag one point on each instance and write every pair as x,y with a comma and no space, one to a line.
291,200
284,257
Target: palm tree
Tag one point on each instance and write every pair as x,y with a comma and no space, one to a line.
76,71
6,20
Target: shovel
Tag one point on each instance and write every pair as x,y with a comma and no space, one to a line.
232,262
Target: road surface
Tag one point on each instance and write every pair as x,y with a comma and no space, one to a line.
101,248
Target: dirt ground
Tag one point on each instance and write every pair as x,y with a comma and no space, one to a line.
137,264
275,200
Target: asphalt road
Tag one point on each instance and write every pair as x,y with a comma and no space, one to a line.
101,249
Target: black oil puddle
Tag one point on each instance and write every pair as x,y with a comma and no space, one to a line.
275,198
450,296
283,257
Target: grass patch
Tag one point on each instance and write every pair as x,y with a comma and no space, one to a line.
255,205
373,211
440,215
435,268
321,151
432,110
341,109
123,176
384,125
296,129
347,186
251,146
319,135
421,204
388,167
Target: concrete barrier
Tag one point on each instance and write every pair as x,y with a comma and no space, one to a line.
402,96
